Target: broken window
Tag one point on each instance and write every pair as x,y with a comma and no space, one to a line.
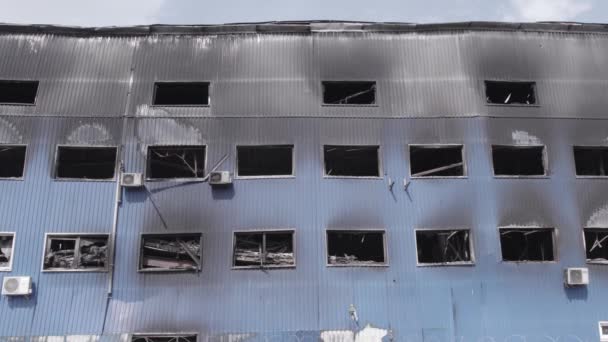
181,93
164,338
18,92
349,92
75,252
166,162
12,161
6,251
436,161
596,244
443,246
355,248
591,161
263,249
532,244
270,160
90,162
503,92
171,252
351,161
518,160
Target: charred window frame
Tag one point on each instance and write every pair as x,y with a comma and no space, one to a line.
275,249
181,94
511,93
18,92
603,326
188,162
91,169
75,252
349,93
448,161
165,337
12,161
596,245
591,161
520,161
444,247
175,252
528,244
7,251
285,170
360,244
352,161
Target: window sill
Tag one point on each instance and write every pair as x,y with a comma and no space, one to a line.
513,105
63,270
18,104
521,177
597,262
529,262
265,177
438,177
353,177
591,177
178,180
169,270
357,265
83,180
447,264
263,268
12,178
180,106
373,105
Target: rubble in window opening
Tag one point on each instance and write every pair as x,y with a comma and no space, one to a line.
86,162
591,161
92,253
527,244
12,161
349,92
60,253
436,161
171,252
63,252
355,248
596,244
279,249
351,161
166,162
6,250
164,338
249,249
518,160
502,92
443,246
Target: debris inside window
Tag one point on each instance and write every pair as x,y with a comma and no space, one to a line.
518,160
270,160
73,252
12,161
6,250
527,244
163,338
351,161
166,162
75,162
502,92
436,161
349,92
171,252
18,92
181,94
443,246
596,244
355,248
591,161
263,249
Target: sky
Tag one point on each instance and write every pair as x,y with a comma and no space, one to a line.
143,12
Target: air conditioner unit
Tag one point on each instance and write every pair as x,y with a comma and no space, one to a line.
220,178
131,180
576,276
17,286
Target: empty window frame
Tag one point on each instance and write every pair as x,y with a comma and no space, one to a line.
351,161
75,252
515,160
349,92
7,245
510,93
264,249
264,160
603,331
175,162
85,162
164,338
596,245
12,161
437,161
527,244
356,248
18,92
181,94
444,247
591,160
171,252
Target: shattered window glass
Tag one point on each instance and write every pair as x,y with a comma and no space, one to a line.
174,252
518,160
18,92
355,248
263,249
6,250
351,161
534,244
591,161
163,338
349,92
596,244
267,160
443,246
73,252
502,92
76,162
166,162
181,93
12,161
436,161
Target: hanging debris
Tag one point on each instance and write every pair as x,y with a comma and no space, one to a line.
171,252
263,249
436,161
166,162
533,244
596,244
506,92
349,92
72,252
443,246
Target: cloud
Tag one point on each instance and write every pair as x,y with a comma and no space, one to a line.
548,10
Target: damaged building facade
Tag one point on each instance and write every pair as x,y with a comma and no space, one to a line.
390,182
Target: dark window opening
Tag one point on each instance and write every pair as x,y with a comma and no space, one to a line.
12,161
353,161
263,249
349,93
527,244
86,162
265,160
171,252
75,252
181,94
499,92
518,160
596,244
18,92
591,161
163,338
443,246
6,250
165,162
355,248
436,161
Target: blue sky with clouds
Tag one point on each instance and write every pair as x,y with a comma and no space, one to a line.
138,12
